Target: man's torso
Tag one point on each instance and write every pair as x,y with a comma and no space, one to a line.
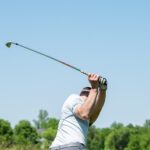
71,128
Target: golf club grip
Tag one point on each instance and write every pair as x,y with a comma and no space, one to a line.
100,79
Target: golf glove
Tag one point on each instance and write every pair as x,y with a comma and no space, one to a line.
103,84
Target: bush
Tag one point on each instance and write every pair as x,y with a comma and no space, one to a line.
24,133
6,133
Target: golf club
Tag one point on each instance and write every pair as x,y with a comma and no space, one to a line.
8,44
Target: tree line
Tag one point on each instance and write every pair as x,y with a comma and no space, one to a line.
39,136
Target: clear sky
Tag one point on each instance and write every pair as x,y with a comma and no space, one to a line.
110,38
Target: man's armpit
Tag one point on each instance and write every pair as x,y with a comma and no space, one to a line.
76,108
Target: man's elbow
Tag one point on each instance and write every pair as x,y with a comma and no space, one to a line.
84,115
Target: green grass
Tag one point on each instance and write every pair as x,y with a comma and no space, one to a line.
28,147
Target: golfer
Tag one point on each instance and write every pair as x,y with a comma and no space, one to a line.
78,113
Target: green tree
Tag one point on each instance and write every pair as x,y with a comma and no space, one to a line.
49,134
46,128
134,142
42,120
24,133
118,139
145,142
135,137
52,123
116,125
93,138
103,133
6,133
130,126
147,124
96,138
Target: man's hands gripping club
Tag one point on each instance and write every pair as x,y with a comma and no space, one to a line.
97,81
94,80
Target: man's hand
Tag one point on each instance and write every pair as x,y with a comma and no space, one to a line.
94,80
103,84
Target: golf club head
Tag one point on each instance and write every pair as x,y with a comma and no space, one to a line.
8,44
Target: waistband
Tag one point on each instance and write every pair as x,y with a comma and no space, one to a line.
68,145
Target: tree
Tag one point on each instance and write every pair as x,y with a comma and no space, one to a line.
6,133
24,133
134,142
42,120
46,128
52,123
118,139
93,138
147,124
145,142
130,126
116,125
49,134
96,138
103,133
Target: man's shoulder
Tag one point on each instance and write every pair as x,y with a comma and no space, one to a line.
73,96
71,100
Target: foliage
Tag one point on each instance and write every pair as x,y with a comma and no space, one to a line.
46,128
49,134
147,124
53,123
145,142
6,133
42,120
22,147
93,138
103,134
117,137
116,125
24,133
134,142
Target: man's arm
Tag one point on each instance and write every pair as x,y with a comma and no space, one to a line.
98,105
86,110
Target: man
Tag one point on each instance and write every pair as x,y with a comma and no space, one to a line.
78,113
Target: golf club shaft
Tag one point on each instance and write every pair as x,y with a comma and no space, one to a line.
66,64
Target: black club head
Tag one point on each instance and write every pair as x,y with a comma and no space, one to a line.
8,44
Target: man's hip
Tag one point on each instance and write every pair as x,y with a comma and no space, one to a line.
70,146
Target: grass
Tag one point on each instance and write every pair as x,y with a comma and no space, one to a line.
25,147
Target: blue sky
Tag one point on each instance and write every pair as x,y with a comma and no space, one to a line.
110,38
